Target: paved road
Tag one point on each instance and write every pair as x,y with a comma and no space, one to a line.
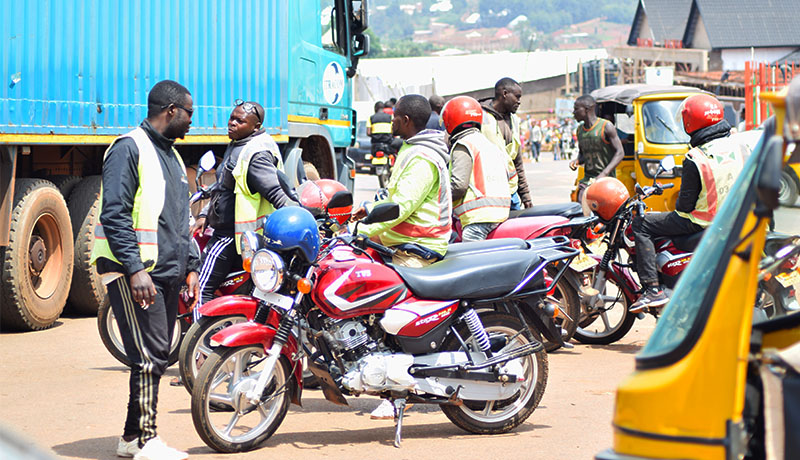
61,389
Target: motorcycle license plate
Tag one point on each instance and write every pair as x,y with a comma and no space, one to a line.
789,279
272,298
582,263
380,161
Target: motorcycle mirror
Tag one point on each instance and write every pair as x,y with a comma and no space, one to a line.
382,212
207,162
668,163
341,199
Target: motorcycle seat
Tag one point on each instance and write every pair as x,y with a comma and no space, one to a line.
568,210
475,276
687,243
476,247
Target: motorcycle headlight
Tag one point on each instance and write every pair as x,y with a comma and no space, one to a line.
248,245
267,270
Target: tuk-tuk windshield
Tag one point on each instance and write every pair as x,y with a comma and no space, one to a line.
704,273
659,122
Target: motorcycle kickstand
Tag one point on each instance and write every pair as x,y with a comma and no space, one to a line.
399,410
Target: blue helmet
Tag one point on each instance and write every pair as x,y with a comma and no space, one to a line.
292,227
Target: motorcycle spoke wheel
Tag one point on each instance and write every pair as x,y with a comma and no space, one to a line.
224,381
196,346
500,416
608,323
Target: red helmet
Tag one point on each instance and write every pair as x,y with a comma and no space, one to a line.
605,196
700,111
460,110
316,194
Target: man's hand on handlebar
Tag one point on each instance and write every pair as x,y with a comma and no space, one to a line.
358,214
199,225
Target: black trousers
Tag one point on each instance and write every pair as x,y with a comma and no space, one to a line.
653,225
146,335
219,258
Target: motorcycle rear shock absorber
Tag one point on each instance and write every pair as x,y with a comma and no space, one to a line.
477,330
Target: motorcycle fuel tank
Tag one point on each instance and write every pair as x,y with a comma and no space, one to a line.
353,286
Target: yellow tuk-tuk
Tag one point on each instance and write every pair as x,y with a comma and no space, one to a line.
644,116
710,383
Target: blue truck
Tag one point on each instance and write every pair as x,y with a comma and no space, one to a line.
76,73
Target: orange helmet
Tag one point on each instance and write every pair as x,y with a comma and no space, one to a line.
700,111
316,194
605,196
460,110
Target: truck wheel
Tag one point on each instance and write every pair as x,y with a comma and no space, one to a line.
87,293
65,184
37,264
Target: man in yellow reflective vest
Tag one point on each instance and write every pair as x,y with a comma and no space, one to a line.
247,189
501,126
143,253
478,174
420,185
709,170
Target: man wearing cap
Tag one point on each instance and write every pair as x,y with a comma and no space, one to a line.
247,189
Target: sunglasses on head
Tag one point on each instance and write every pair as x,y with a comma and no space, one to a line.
248,107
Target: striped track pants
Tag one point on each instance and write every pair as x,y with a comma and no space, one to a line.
146,336
219,259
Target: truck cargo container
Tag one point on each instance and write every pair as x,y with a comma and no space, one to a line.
76,74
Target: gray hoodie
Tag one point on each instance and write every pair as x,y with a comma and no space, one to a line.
433,140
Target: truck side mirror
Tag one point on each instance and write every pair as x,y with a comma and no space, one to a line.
360,45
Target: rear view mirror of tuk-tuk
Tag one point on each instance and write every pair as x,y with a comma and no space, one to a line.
769,177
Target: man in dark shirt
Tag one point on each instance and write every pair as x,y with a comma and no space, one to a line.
437,103
143,264
221,256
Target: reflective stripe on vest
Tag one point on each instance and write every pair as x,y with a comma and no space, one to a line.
147,203
488,199
491,129
250,207
381,128
443,206
719,163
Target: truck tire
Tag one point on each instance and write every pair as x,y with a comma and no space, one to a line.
87,293
65,184
37,264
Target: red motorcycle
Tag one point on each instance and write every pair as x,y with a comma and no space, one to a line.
563,219
405,334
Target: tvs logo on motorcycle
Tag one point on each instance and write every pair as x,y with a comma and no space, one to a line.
344,304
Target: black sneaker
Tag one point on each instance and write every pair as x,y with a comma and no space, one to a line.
651,298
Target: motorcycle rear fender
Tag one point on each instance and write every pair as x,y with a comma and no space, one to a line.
231,305
543,323
249,333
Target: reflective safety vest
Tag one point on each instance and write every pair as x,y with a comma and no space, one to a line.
250,207
491,129
487,199
147,203
719,163
430,224
381,123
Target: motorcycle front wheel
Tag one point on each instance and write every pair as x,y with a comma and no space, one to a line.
196,347
493,417
607,323
224,381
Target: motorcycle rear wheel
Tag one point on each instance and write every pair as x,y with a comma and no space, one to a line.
493,417
195,346
611,324
109,335
224,380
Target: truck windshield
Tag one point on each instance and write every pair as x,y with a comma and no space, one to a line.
690,305
659,123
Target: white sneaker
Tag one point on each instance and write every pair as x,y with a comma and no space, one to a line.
128,449
384,411
155,449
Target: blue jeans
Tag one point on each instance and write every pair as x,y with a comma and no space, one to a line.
516,203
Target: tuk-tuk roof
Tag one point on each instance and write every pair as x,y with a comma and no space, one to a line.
625,94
